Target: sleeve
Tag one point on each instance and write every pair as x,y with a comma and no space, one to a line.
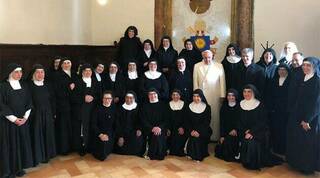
12,118
313,108
144,120
195,77
204,127
77,95
27,114
4,109
261,124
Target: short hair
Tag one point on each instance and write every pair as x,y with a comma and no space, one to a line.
247,51
106,92
207,51
300,53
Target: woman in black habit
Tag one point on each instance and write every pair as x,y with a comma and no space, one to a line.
103,125
15,142
128,136
154,79
303,136
166,56
64,85
154,121
131,77
277,103
176,124
253,132
148,52
191,54
230,64
228,147
53,69
198,117
98,75
115,82
181,79
42,116
84,98
129,47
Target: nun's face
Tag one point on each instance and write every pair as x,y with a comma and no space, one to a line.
207,57
129,99
247,58
100,68
16,75
87,72
66,65
231,51
39,74
181,63
189,45
297,60
307,68
231,97
282,72
131,33
107,99
196,98
175,96
153,66
153,96
132,67
147,46
268,57
166,43
247,94
113,69
56,63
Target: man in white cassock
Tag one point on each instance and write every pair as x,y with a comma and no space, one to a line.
208,75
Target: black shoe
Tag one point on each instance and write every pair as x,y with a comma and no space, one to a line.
20,173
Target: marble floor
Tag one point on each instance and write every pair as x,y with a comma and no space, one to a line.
118,166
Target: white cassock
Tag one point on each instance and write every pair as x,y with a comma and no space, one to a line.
211,80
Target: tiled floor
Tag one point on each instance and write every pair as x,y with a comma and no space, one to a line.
118,166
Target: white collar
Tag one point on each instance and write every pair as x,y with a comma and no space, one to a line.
166,48
176,105
249,105
281,80
233,59
87,80
68,72
152,74
130,107
308,76
132,75
232,104
197,108
38,82
184,69
113,77
98,76
157,100
15,84
247,65
148,52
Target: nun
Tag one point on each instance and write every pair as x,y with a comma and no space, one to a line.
253,132
53,69
42,116
228,146
198,130
114,82
98,76
128,136
131,77
84,97
277,103
176,124
15,142
230,63
303,136
268,61
166,56
128,47
154,79
153,115
191,54
64,85
103,125
145,55
181,79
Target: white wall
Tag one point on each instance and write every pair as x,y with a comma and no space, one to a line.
73,21
288,20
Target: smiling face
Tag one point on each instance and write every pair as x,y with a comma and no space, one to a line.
207,57
153,66
247,58
129,99
113,69
132,67
100,68
107,99
175,96
153,96
87,73
147,46
189,45
131,33
66,65
268,57
297,60
307,68
231,51
39,74
181,63
282,71
196,98
166,43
